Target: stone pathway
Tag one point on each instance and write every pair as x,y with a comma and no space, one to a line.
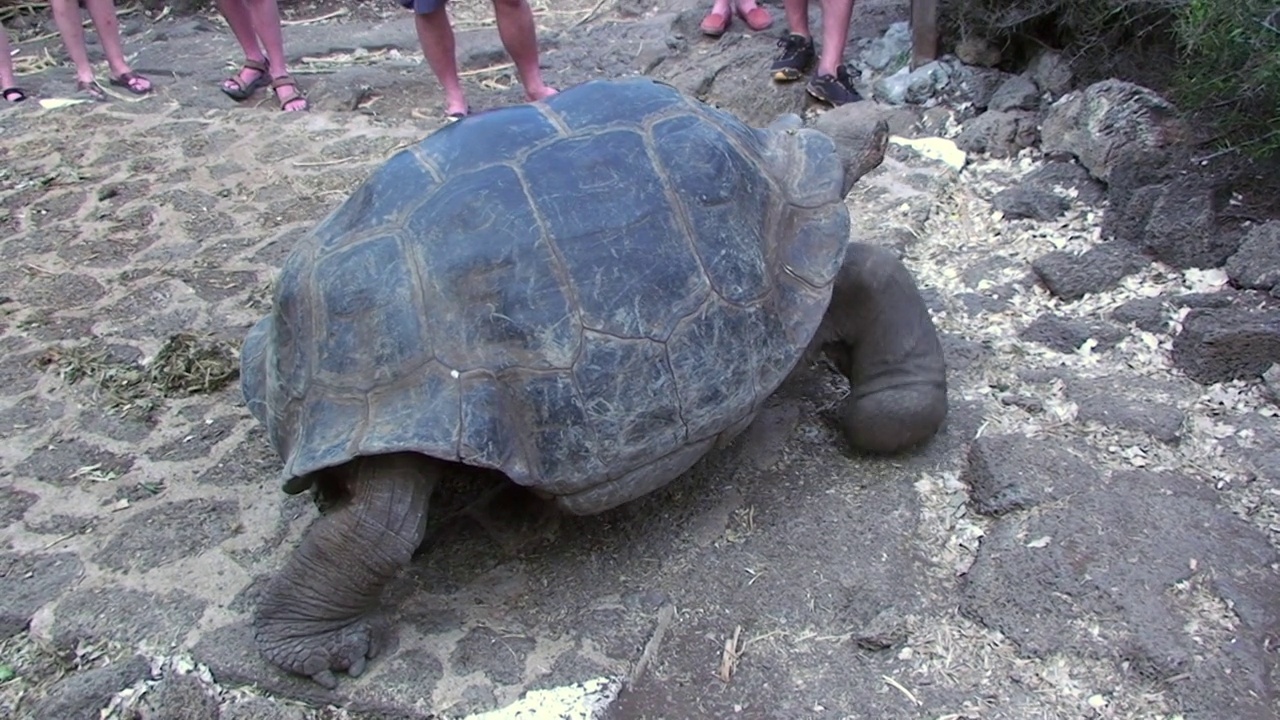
1093,535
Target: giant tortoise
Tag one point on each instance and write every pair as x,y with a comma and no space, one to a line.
585,294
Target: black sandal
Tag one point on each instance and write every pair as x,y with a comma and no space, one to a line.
13,94
242,90
91,89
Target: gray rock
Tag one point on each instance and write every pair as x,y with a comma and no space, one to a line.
1183,230
912,86
892,48
1110,120
1117,572
1145,313
979,84
1011,472
257,708
1051,73
1105,403
1066,335
1227,344
169,532
1021,202
180,697
123,615
82,695
1098,269
978,51
14,504
1256,264
28,582
1062,177
1018,92
999,134
886,630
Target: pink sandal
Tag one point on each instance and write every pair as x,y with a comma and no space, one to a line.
715,24
757,19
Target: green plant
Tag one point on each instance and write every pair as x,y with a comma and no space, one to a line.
1230,67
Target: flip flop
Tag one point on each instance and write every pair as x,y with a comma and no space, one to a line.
92,90
456,116
14,94
715,24
244,90
757,19
127,81
286,81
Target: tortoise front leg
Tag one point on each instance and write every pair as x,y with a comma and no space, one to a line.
313,617
879,333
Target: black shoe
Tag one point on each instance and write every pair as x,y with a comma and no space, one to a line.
797,56
836,90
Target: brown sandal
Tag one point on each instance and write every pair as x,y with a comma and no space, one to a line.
243,90
286,81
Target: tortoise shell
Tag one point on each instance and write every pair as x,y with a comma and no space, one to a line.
585,293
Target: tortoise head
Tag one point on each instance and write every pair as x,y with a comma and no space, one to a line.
820,164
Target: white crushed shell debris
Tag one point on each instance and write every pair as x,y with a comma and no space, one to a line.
580,701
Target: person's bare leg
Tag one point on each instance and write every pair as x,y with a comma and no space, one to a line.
236,13
7,79
66,16
835,33
266,23
520,38
103,14
435,35
797,12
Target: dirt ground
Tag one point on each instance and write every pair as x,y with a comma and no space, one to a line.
1091,536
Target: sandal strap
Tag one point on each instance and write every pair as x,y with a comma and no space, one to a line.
283,81
259,65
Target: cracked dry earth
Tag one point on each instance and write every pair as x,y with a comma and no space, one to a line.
1091,536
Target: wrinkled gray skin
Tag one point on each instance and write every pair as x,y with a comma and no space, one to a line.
315,616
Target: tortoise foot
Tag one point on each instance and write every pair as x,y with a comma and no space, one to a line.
305,648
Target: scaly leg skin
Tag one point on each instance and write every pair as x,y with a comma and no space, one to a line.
314,616
879,333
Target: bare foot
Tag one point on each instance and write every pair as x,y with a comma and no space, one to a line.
540,93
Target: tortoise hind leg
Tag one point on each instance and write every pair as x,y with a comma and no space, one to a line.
879,333
314,616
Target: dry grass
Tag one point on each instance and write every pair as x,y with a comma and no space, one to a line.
186,364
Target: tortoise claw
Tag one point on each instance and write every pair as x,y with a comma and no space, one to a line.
326,678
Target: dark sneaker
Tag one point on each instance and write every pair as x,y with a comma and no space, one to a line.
797,56
834,89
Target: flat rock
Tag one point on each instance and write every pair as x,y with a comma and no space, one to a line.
1140,571
1138,407
14,504
1067,335
1256,263
81,695
28,582
180,697
1218,345
1148,314
1021,202
1098,269
124,615
165,533
1011,472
